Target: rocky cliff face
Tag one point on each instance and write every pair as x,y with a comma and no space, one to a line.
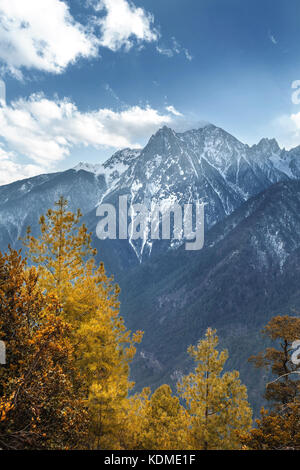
247,273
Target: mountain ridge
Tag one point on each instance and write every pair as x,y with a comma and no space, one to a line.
247,273
206,164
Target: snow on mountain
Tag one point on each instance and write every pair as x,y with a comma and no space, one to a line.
116,165
207,164
113,169
91,168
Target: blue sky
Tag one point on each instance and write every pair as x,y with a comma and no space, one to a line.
87,77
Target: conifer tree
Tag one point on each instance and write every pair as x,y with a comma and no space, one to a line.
41,405
166,423
216,400
155,422
131,435
89,302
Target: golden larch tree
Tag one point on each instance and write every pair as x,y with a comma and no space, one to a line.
166,423
216,400
154,422
89,302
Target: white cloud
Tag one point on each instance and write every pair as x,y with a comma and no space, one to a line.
165,51
273,39
2,93
287,128
174,49
174,111
45,131
124,23
41,35
112,93
188,55
295,118
11,171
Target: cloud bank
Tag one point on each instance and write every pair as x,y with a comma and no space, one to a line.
45,131
123,24
43,35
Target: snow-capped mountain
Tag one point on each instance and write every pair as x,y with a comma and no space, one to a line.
206,165
112,169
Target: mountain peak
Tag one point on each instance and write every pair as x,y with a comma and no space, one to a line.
89,167
122,156
268,144
160,142
164,131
